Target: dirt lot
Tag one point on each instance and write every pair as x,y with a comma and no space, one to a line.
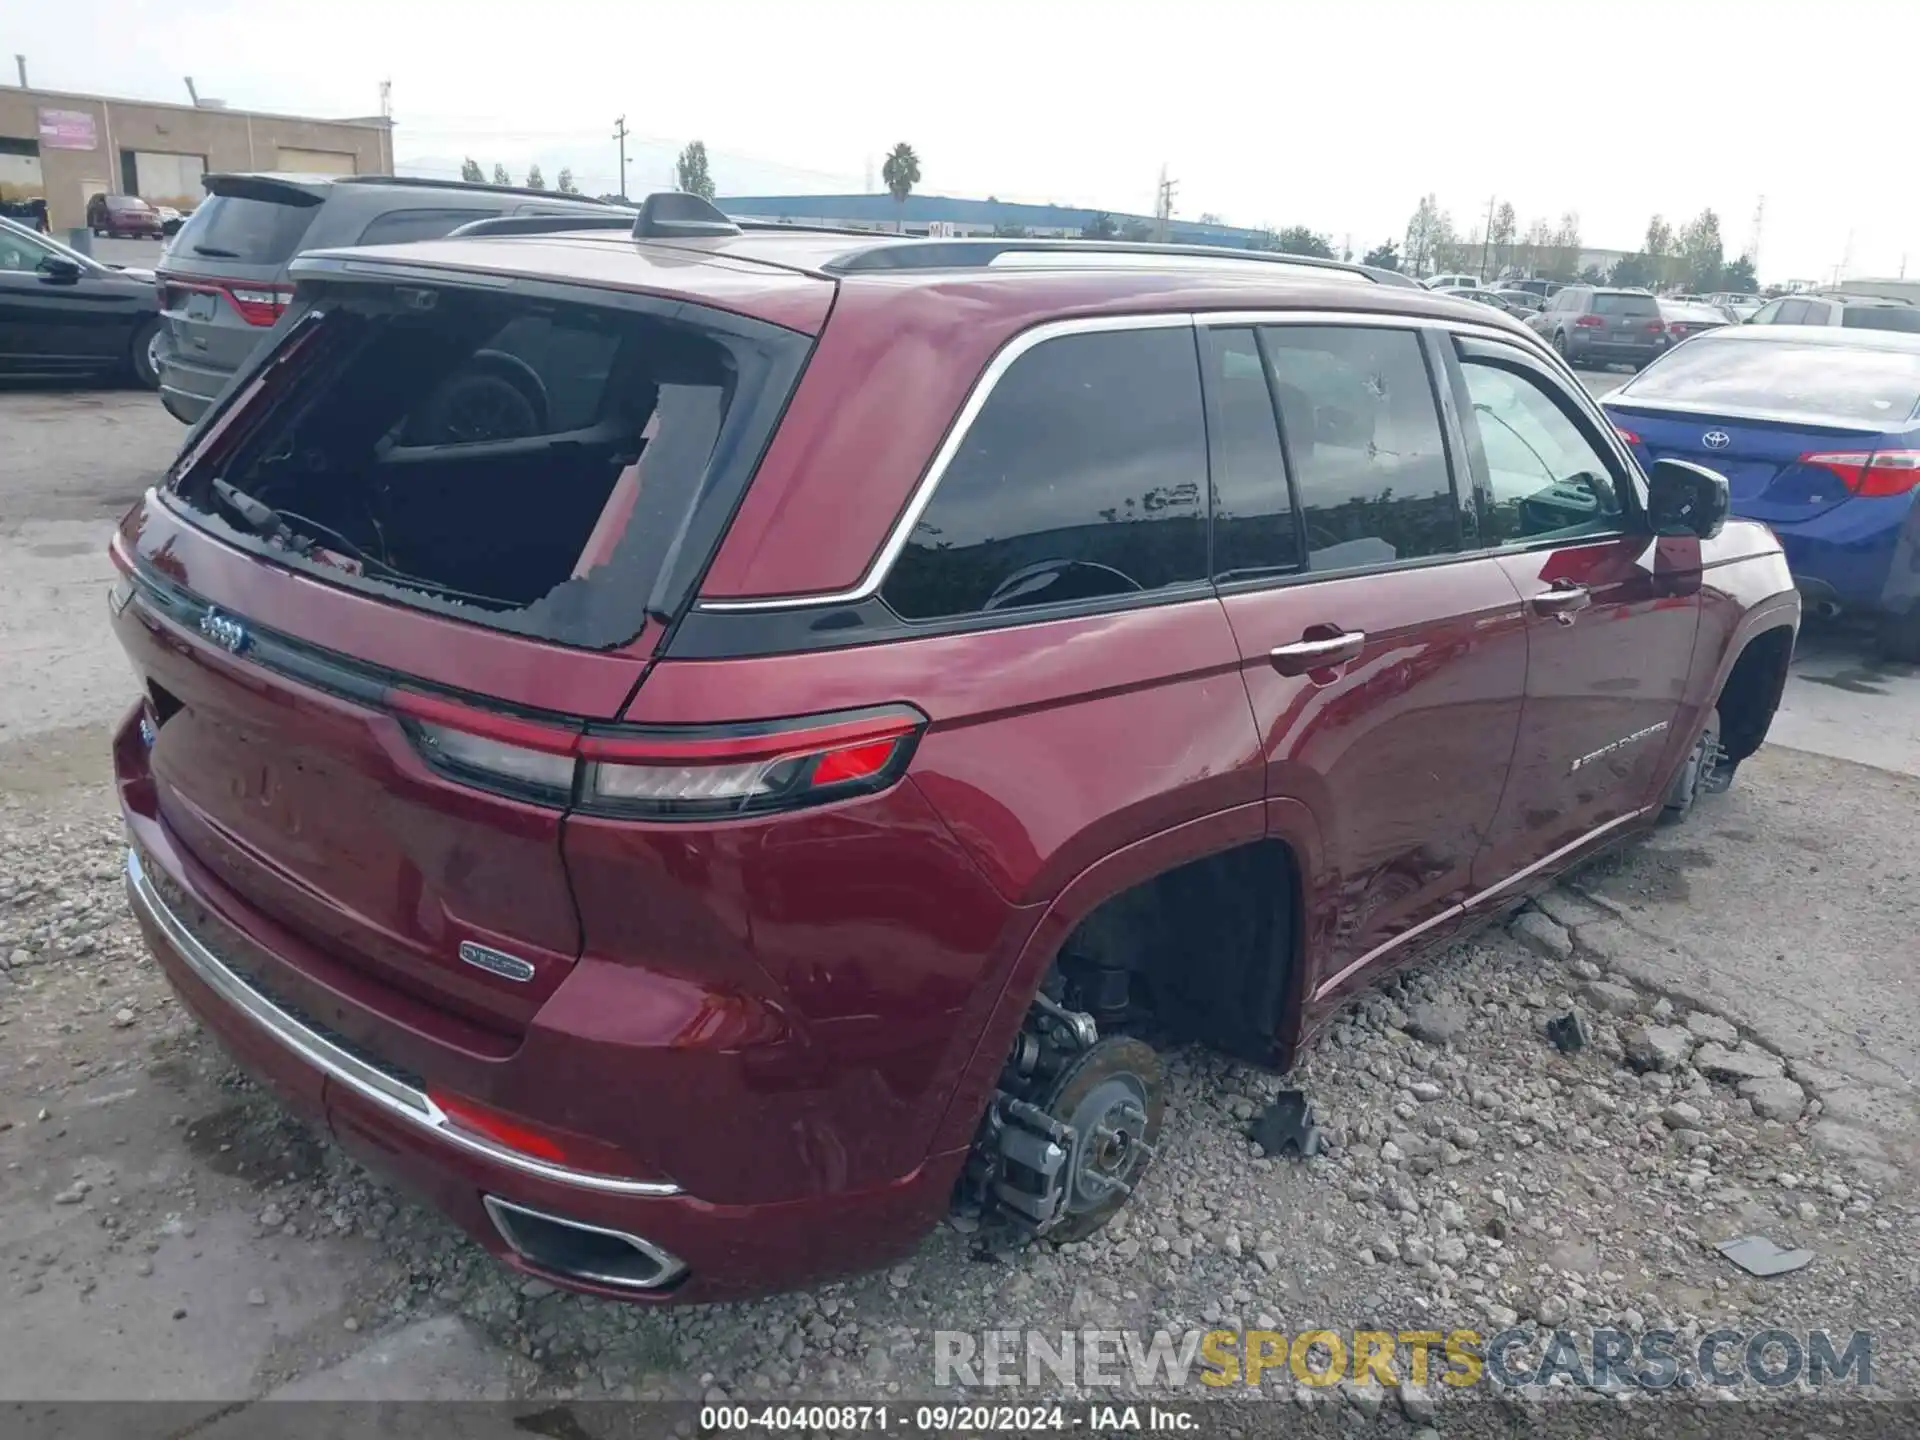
164,1234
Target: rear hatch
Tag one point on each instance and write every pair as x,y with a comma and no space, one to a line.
223,282
1627,319
1796,427
426,544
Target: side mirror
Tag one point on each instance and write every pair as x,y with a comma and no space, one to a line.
1687,499
59,270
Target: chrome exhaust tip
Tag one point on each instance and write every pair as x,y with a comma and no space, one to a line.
580,1251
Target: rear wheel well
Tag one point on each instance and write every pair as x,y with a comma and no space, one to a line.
1204,950
1752,692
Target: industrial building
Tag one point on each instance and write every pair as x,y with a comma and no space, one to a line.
64,147
948,215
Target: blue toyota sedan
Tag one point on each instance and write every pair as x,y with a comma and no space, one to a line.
1817,430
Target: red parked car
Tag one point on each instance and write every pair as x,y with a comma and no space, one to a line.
689,746
124,215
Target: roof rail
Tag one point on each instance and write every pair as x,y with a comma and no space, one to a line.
778,225
677,215
972,254
542,224
428,182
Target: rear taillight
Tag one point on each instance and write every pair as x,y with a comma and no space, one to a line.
665,773
259,304
1626,434
1589,322
256,304
1870,473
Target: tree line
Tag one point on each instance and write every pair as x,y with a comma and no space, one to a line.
472,174
1691,258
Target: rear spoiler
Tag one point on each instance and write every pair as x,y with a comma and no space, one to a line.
277,189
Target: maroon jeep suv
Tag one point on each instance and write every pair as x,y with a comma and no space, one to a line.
692,745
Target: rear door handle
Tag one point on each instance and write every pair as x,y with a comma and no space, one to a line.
1304,655
1562,602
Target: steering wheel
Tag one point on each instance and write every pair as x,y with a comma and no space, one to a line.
494,396
1024,585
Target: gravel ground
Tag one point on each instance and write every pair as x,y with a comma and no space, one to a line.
164,1232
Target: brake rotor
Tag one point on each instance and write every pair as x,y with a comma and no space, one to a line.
1112,1095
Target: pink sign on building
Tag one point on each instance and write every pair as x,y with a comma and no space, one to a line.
67,130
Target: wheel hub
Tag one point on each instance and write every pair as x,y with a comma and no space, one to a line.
1110,1144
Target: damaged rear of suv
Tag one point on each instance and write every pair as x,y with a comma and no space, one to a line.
689,747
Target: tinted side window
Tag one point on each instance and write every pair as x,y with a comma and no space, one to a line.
1253,522
1362,433
1881,317
1792,312
1544,476
19,253
1083,476
396,227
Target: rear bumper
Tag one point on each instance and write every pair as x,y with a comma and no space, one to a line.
1861,554
710,1251
187,389
1581,343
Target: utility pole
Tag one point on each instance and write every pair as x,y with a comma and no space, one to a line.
1486,236
620,133
1163,206
1753,240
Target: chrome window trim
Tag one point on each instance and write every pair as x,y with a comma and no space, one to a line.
877,570
388,1092
922,496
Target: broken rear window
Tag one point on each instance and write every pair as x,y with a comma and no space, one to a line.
548,467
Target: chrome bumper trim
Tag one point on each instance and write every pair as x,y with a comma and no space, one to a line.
391,1094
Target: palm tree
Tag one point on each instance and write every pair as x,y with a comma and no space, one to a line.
902,173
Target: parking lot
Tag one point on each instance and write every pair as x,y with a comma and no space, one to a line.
151,1196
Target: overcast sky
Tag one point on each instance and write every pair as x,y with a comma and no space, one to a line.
1335,116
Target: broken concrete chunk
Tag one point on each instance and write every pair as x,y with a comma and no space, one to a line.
1659,1047
1682,1116
1435,1024
1847,1141
1542,933
1613,999
1774,1098
1712,1027
1568,908
1748,1062
1759,1256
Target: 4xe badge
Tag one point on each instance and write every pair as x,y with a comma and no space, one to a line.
229,635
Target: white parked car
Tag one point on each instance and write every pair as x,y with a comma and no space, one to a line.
1452,282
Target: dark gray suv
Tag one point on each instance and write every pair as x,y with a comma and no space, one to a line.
1592,325
224,281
